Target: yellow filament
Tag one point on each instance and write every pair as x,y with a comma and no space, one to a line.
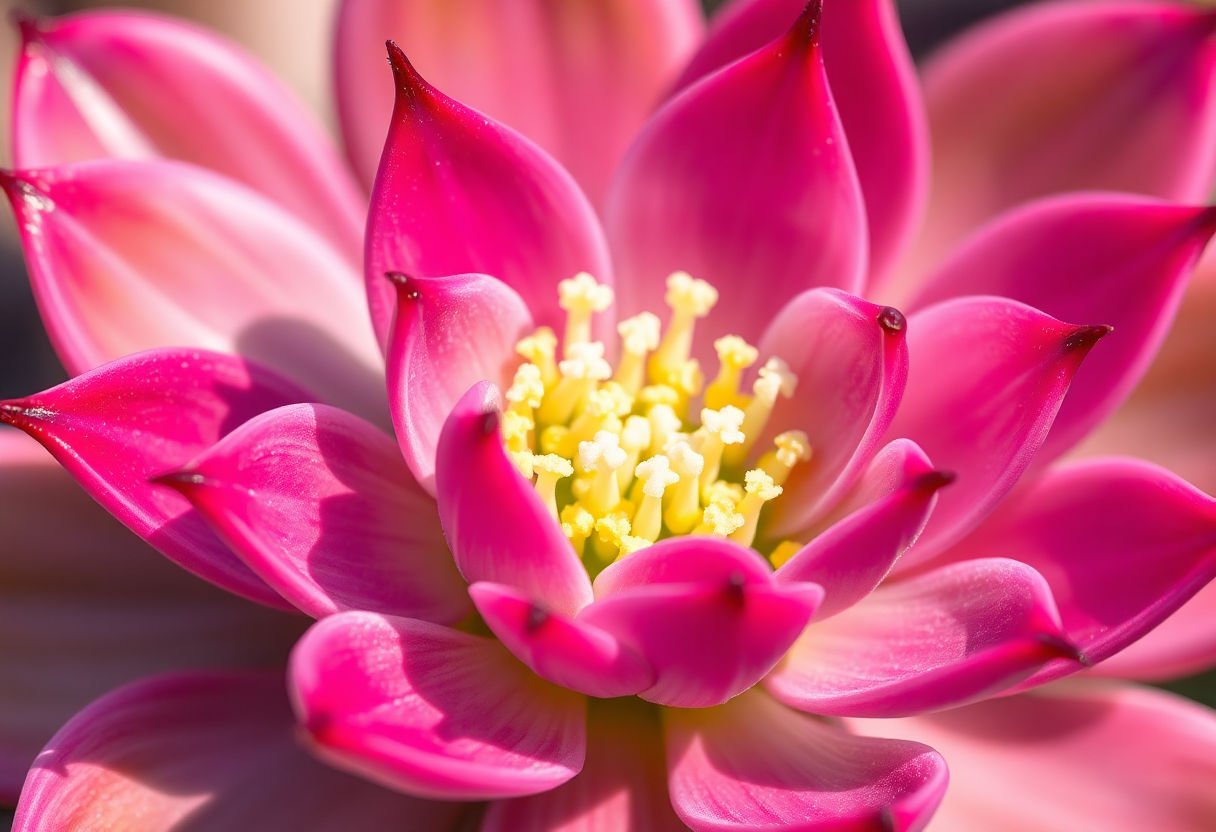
579,373
602,456
683,510
759,490
656,477
581,296
689,299
639,335
719,428
775,380
577,525
540,349
783,551
635,438
792,447
734,356
549,469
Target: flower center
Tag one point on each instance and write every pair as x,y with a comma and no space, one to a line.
617,456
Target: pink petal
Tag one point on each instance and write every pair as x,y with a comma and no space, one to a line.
127,256
568,652
592,71
694,194
622,785
962,632
136,86
987,378
851,361
432,711
499,530
874,85
213,751
704,613
753,764
1120,759
1182,645
319,504
1111,259
121,424
85,607
448,334
457,193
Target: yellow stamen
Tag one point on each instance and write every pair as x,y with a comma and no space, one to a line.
656,476
581,296
602,456
577,525
734,356
683,510
719,428
775,380
522,460
540,348
663,423
783,551
635,438
526,390
549,469
760,490
639,335
792,447
515,430
603,409
689,300
579,373
553,439
610,532
721,518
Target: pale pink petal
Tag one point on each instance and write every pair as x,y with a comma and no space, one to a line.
753,764
705,613
987,376
120,425
956,634
457,193
1106,258
851,361
448,334
566,651
126,256
432,711
85,607
592,71
319,504
874,85
137,86
1119,759
497,527
696,192
1182,645
204,751
621,788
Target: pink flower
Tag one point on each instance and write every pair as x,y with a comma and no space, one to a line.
560,669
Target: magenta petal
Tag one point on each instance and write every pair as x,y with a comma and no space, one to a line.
203,751
432,711
851,360
457,193
1117,260
1182,645
704,613
753,764
319,504
120,425
694,194
136,86
986,380
953,635
499,530
448,334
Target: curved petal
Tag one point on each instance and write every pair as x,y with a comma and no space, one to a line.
1121,759
753,764
136,86
1182,645
875,88
457,193
448,334
125,422
432,711
126,256
1112,259
85,607
203,751
704,613
694,194
318,503
592,70
968,630
499,530
851,360
987,378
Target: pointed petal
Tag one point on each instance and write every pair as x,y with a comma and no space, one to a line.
704,613
499,530
754,764
127,256
214,751
987,378
136,86
1182,645
318,503
1121,759
449,333
592,70
432,711
1111,259
851,361
139,417
457,193
694,194
968,630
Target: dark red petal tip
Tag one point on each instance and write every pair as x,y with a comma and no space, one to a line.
1061,647
21,412
179,480
537,616
933,481
411,86
892,320
29,26
1085,337
407,286
806,28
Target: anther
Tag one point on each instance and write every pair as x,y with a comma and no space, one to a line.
683,510
581,296
655,476
639,336
663,423
579,373
734,356
635,438
759,489
527,389
792,447
719,428
689,300
602,456
540,348
549,469
721,517
775,379
577,525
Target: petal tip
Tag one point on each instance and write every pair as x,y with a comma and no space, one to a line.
182,481
805,30
933,481
29,26
1057,646
892,320
406,285
410,84
1083,338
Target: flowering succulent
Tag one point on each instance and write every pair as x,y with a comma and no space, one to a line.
681,522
